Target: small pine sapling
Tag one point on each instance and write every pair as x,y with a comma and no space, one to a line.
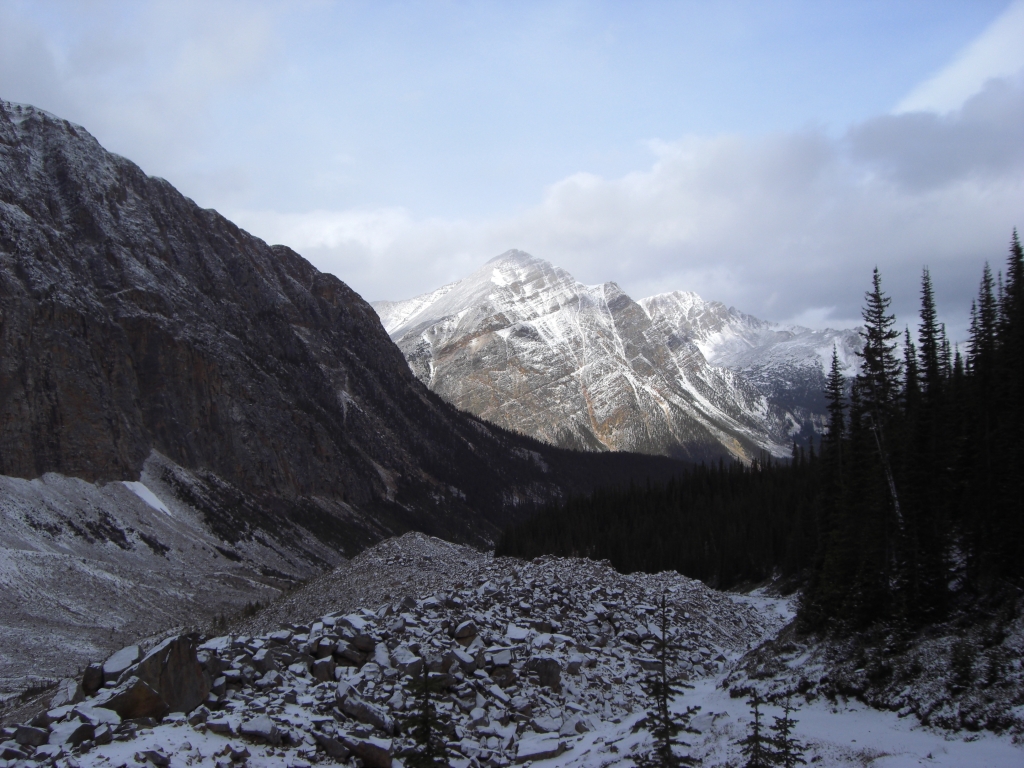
756,747
661,685
424,727
788,752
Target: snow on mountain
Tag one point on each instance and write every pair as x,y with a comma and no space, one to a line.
521,343
785,363
85,567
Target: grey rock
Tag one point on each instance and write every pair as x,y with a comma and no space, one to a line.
323,669
115,666
539,747
375,753
405,661
546,724
71,733
219,725
11,750
97,715
261,728
365,712
173,671
264,661
92,679
332,746
27,736
69,691
548,670
133,698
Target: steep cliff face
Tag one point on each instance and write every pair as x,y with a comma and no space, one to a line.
524,345
135,322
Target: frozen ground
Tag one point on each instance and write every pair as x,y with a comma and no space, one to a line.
596,625
86,568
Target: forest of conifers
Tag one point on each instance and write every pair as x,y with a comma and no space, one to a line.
914,495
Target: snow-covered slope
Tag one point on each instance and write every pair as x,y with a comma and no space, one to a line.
786,363
86,567
521,343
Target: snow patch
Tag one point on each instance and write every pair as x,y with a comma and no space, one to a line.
140,490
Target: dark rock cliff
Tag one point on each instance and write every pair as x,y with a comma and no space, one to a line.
133,321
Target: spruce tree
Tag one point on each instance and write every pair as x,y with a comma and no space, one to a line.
756,747
424,727
787,750
930,338
661,685
880,369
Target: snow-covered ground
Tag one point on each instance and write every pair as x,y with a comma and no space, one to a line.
86,567
594,624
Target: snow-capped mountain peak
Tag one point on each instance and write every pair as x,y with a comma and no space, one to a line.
522,343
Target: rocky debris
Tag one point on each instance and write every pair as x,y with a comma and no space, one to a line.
552,656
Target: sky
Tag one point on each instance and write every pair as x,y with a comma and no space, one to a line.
767,154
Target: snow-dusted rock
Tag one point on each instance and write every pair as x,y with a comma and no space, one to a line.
69,691
261,728
539,747
115,666
70,733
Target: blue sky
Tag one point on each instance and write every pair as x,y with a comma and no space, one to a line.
766,154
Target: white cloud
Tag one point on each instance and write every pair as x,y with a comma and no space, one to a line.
780,226
997,52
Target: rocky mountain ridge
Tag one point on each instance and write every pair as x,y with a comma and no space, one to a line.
522,344
253,405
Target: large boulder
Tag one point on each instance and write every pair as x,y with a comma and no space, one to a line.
168,679
173,671
133,698
115,666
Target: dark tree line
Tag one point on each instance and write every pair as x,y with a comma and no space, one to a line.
915,492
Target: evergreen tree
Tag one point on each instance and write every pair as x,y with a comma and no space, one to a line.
985,317
661,685
787,750
911,381
835,395
756,747
424,727
931,341
880,368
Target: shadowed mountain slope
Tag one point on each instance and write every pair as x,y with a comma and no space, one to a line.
135,322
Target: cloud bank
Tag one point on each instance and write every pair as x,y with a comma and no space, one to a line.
786,226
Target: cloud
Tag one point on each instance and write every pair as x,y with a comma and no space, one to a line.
923,150
786,226
996,53
147,80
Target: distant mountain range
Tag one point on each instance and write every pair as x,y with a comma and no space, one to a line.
522,344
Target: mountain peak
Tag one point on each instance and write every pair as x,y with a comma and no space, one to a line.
513,256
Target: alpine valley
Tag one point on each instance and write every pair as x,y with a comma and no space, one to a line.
248,519
522,344
193,420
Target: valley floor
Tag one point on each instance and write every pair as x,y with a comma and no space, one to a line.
595,623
